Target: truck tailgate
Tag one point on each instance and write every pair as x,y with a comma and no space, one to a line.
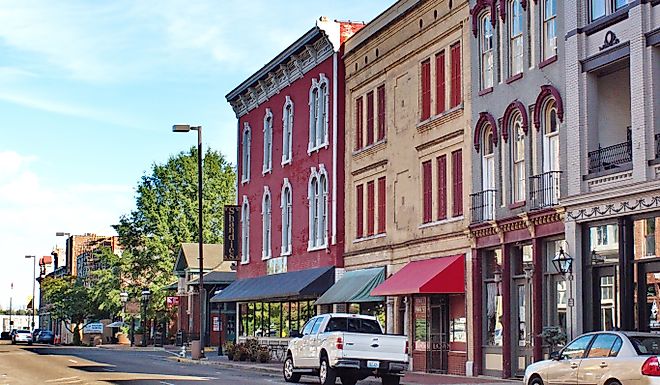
375,347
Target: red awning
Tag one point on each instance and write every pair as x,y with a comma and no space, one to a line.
431,276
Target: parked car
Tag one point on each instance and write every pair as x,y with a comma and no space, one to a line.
350,346
35,333
45,337
600,358
22,336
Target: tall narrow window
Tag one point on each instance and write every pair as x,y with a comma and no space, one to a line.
371,209
268,142
370,118
516,37
313,116
457,182
359,203
318,208
287,128
245,231
518,157
321,232
247,143
286,218
440,82
359,116
486,46
549,28
381,112
456,96
322,122
426,89
318,113
427,199
442,187
382,198
266,223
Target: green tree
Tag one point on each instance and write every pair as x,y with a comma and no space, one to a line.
106,283
69,300
166,215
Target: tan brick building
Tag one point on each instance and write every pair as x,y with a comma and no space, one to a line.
407,124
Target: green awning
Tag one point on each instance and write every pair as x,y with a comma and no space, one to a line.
354,287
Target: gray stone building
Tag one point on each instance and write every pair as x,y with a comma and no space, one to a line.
613,203
518,179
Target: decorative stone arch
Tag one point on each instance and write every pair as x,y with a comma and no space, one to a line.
484,119
547,91
515,107
476,14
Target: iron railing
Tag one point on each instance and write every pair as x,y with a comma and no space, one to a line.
483,206
657,146
611,157
545,190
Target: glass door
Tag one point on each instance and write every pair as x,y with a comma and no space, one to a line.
438,334
521,326
606,298
647,297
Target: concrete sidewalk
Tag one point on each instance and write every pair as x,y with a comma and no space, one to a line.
132,348
410,378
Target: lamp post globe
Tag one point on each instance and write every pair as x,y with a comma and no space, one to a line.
563,262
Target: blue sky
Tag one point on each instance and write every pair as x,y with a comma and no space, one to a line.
89,91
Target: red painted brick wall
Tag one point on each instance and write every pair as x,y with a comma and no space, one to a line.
456,363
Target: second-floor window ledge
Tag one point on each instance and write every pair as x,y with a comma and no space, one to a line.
441,222
370,238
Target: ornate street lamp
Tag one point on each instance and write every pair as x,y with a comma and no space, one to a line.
146,295
563,262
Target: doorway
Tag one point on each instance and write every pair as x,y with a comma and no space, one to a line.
606,298
521,327
647,297
438,346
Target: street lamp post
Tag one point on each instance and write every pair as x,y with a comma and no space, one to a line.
202,296
564,265
146,295
34,279
123,297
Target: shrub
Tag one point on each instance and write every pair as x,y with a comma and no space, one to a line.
263,355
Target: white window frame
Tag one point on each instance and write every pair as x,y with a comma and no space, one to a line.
266,224
246,156
287,131
516,38
287,217
318,113
549,43
268,142
245,231
318,209
486,50
610,6
518,155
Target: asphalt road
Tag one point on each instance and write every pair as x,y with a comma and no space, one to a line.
41,364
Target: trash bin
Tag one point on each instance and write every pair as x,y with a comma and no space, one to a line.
179,338
196,350
158,339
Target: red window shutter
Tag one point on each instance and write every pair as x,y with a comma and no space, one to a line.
440,82
457,182
426,89
442,187
455,75
370,118
381,112
427,199
360,210
358,123
381,205
371,208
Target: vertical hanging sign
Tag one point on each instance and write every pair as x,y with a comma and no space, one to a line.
231,229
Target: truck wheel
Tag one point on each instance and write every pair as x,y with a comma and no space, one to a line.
289,374
327,375
391,380
349,380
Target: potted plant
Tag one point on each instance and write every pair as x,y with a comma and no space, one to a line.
263,355
553,336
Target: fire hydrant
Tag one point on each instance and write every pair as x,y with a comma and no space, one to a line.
183,351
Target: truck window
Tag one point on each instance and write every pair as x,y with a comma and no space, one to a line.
353,325
308,326
317,325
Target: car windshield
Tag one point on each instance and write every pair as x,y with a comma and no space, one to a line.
353,325
23,331
646,345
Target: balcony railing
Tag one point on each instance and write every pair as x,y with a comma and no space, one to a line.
611,157
545,190
657,146
483,206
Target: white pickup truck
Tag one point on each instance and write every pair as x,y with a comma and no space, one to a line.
350,346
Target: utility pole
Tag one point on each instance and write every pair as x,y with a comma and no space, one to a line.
11,293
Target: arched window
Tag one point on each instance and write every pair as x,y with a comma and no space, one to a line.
487,175
550,137
322,122
313,116
246,142
245,231
516,49
268,142
318,113
486,46
518,158
318,208
266,224
287,131
286,217
549,28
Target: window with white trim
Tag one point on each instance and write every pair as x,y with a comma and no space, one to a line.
318,209
601,8
266,224
318,113
287,131
549,12
486,46
245,150
286,217
518,158
245,231
268,142
516,49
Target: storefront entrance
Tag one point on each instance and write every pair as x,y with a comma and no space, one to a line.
522,322
648,296
432,332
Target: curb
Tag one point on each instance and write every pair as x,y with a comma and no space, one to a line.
131,348
267,370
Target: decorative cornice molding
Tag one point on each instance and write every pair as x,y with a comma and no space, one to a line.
613,209
506,118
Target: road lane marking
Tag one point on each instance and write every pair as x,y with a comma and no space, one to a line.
166,383
62,379
74,361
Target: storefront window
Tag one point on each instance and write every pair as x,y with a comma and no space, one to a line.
420,323
493,298
604,241
274,319
492,262
458,327
645,235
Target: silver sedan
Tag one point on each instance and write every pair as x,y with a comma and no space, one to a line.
601,358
